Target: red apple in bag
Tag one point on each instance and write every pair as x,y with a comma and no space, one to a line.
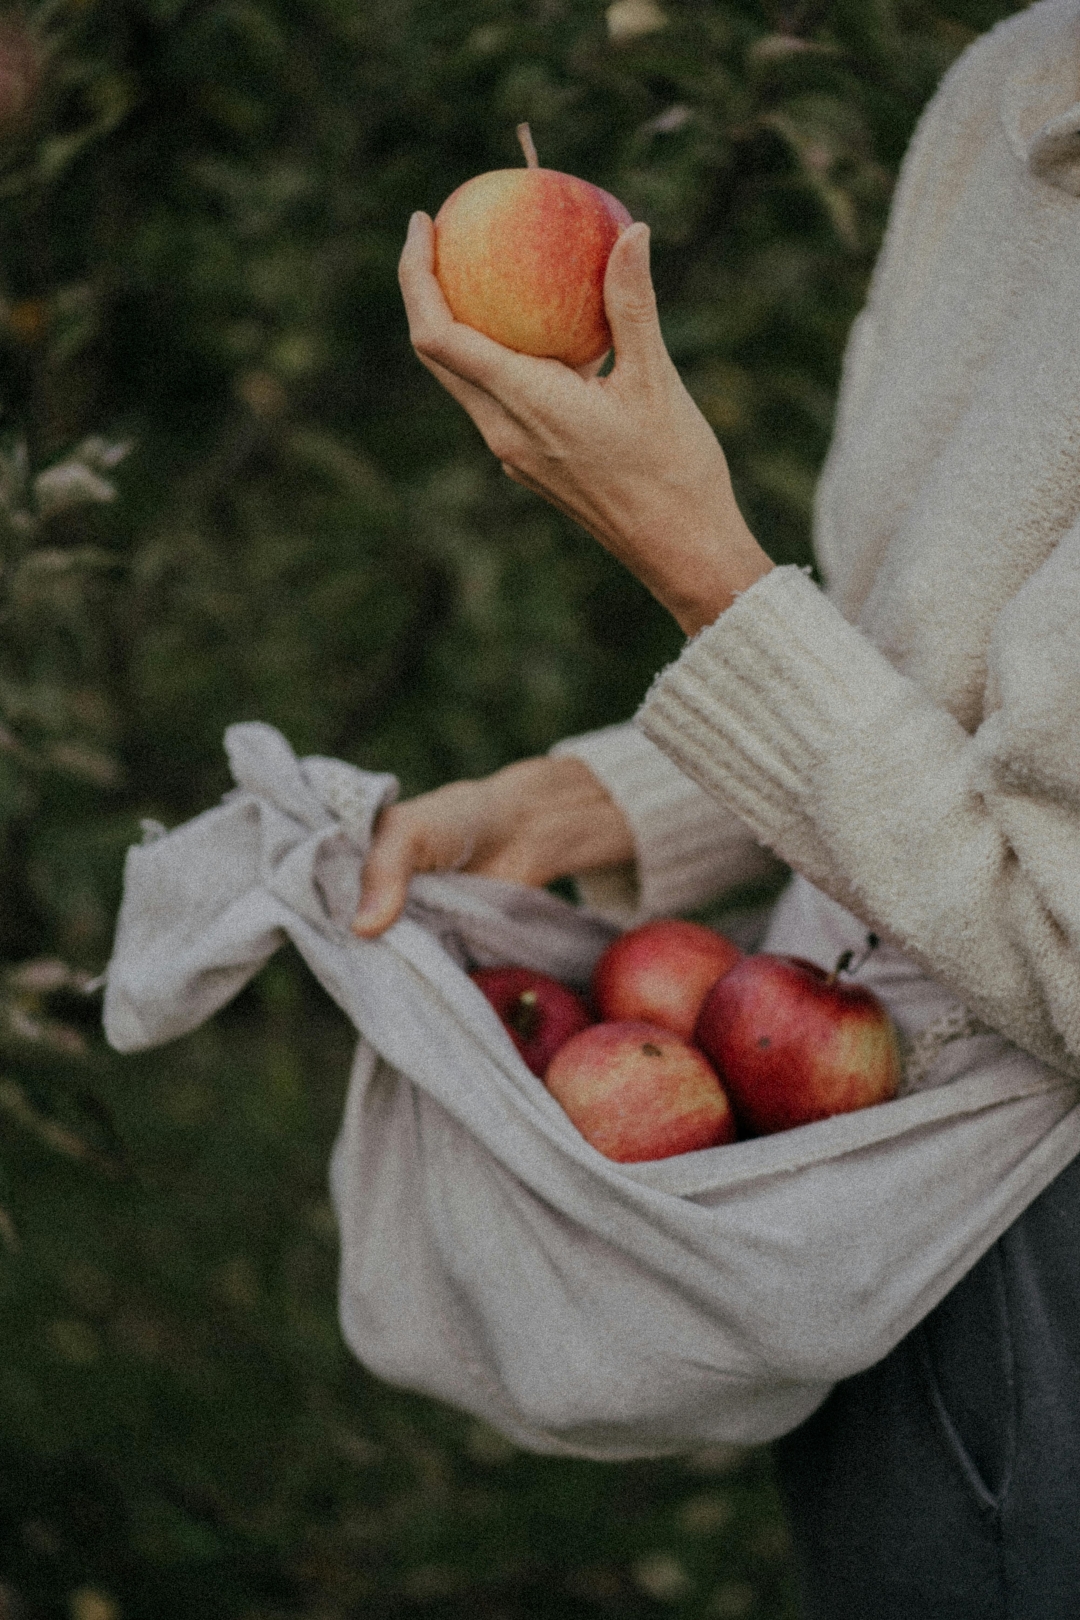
636,1092
539,1013
662,972
520,255
793,1043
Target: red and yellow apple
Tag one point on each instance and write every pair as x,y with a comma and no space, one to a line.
636,1092
539,1013
661,972
520,255
793,1043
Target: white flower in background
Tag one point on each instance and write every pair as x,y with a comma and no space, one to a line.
101,453
771,47
627,19
70,483
661,1577
668,122
78,481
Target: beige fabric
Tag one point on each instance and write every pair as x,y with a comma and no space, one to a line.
910,741
489,1256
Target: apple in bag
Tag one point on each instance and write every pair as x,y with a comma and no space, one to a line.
794,1043
661,972
636,1092
539,1013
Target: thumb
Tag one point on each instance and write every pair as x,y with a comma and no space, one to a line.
630,302
383,894
384,879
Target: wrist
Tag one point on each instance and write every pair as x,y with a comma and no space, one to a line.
694,551
694,611
706,588
568,820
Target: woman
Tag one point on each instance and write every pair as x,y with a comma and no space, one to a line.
907,741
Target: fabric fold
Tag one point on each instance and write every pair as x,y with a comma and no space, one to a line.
1054,154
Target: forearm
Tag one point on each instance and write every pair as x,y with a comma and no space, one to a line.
688,849
559,820
956,846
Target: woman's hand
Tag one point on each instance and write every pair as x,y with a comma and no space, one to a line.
629,456
534,821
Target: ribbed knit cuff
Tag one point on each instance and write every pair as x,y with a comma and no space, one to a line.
763,700
689,849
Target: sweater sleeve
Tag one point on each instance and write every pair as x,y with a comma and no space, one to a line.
689,848
963,848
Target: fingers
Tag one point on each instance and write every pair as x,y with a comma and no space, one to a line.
464,361
384,881
503,391
438,339
593,369
425,305
496,427
630,303
409,838
436,336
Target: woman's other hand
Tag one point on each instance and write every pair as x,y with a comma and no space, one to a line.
628,456
531,822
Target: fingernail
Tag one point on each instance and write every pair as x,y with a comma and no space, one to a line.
414,222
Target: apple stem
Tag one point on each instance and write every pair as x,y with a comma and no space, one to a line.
524,135
524,1015
843,962
872,943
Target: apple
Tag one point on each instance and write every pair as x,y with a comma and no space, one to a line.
520,255
793,1043
539,1013
662,972
636,1091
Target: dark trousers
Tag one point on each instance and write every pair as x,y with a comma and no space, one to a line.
944,1483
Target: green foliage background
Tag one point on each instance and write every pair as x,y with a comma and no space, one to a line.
201,206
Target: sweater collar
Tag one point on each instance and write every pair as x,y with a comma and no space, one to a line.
1039,108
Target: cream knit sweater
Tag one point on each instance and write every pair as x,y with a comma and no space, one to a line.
909,740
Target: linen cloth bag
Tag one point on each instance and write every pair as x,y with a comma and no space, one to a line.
489,1255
